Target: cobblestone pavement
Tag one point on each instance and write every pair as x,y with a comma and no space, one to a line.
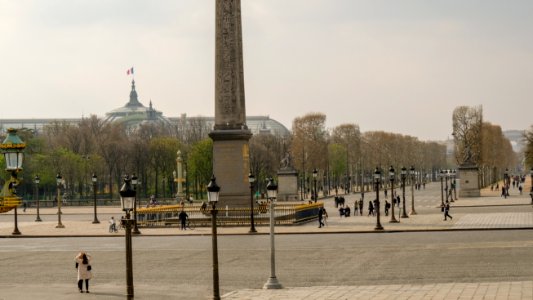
77,221
446,291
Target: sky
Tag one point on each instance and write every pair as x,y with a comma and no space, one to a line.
396,66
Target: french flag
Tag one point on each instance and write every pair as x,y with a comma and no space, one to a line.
130,71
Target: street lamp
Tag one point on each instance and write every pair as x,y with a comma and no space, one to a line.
441,175
13,148
59,183
315,174
403,176
213,191
127,201
272,194
135,181
531,189
37,180
412,173
392,174
446,189
453,186
377,181
94,180
251,180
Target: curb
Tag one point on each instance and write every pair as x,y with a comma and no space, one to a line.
278,233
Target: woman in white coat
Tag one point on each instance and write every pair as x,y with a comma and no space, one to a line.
83,264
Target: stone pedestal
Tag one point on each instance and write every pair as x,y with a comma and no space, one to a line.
231,166
469,176
287,185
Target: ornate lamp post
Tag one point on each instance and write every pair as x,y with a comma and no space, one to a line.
135,181
59,183
403,176
315,174
37,180
213,191
272,193
392,174
12,148
127,201
377,181
251,180
412,173
531,189
441,176
94,179
446,188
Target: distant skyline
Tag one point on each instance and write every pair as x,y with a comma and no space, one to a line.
396,66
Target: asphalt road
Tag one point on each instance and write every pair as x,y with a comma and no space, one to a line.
180,267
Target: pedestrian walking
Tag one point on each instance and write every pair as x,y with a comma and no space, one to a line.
320,217
387,206
25,205
324,216
183,219
83,264
447,211
361,202
370,208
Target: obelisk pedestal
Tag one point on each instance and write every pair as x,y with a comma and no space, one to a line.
230,135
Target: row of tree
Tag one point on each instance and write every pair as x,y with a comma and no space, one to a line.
342,156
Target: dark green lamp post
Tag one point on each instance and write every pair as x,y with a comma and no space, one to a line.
213,191
127,201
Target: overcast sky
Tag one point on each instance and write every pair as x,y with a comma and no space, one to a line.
397,66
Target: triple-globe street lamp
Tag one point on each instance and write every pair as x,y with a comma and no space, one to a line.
403,176
377,182
392,176
412,173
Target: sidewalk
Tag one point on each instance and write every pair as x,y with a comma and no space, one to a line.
78,220
439,291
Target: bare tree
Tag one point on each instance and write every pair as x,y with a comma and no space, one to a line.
467,123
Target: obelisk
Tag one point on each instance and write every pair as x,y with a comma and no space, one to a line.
230,134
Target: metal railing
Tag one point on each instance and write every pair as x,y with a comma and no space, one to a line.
285,214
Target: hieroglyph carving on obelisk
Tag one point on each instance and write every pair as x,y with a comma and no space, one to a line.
230,110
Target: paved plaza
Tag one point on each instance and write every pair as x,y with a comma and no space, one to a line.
489,212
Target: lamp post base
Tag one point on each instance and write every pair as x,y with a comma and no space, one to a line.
413,212
38,219
404,215
378,227
394,221
60,226
272,284
16,232
96,221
